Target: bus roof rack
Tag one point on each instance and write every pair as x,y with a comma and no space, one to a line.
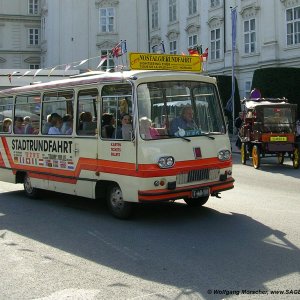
86,74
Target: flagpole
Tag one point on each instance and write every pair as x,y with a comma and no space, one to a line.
233,44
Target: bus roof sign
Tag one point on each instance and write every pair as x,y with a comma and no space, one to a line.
152,61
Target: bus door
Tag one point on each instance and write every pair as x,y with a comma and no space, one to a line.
117,150
85,140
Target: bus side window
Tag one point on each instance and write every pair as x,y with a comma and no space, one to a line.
6,110
28,108
56,103
87,112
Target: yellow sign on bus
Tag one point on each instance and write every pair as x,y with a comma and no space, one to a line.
152,61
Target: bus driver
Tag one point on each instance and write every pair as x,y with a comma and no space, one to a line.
185,121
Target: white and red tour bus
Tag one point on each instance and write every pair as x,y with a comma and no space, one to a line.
129,136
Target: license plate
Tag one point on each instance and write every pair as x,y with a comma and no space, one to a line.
278,138
197,193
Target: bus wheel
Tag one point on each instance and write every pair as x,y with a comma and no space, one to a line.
30,191
196,202
243,153
256,156
280,157
117,206
296,158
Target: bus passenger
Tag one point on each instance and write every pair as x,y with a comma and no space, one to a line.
19,125
28,127
6,126
298,133
56,121
146,130
124,131
108,128
67,126
123,107
48,124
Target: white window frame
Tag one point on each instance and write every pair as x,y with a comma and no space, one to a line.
33,36
172,10
193,40
109,63
215,44
250,36
173,47
33,7
34,66
154,14
107,18
247,89
293,26
193,7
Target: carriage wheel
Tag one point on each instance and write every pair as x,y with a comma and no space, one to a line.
243,153
280,157
296,158
255,156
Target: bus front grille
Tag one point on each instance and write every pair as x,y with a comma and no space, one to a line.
198,175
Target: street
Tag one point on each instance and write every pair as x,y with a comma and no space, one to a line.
242,246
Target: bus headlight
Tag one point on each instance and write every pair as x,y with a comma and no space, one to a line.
224,155
165,162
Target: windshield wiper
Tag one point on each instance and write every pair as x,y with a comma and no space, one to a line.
172,135
184,138
208,135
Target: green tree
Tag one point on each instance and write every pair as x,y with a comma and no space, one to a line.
278,83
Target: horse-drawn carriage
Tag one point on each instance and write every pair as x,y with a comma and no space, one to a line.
268,129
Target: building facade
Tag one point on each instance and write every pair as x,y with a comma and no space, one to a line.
20,26
50,33
75,30
267,33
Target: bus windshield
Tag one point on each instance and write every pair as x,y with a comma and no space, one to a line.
173,109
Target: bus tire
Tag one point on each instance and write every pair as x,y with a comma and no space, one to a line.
196,202
30,191
117,206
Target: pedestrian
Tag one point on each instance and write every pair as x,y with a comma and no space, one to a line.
255,94
298,132
238,122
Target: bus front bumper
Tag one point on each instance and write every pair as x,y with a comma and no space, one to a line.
214,188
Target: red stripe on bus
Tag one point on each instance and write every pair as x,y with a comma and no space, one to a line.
120,168
6,149
1,161
52,178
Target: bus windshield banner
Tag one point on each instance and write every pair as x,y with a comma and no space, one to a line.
151,61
